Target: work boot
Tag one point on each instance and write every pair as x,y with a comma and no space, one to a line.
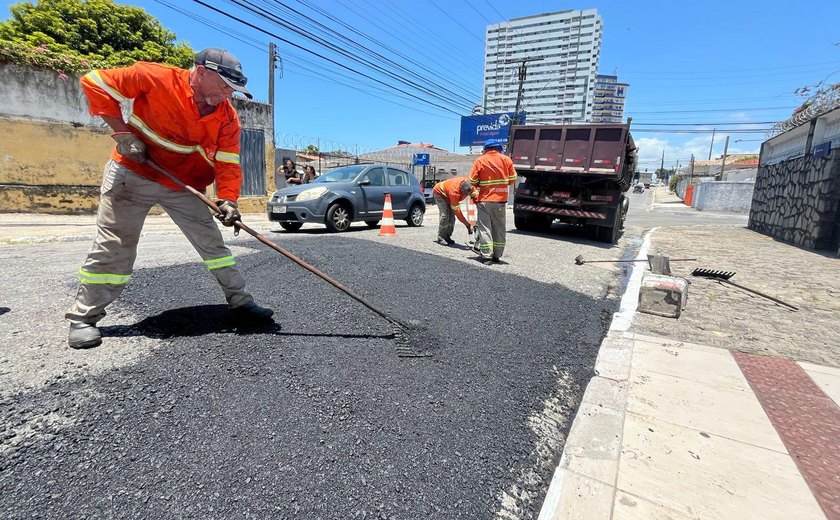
251,313
449,241
84,335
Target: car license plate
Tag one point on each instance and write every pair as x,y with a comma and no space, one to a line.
278,209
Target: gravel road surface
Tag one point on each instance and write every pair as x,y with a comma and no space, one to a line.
181,415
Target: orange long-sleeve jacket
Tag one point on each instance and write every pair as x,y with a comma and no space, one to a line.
197,150
492,173
450,189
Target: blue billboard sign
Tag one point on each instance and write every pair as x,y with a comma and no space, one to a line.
476,129
420,159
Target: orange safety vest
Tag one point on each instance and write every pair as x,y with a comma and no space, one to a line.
492,173
450,189
197,150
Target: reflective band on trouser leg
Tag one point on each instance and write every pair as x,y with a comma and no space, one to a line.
446,223
497,211
485,238
103,278
215,263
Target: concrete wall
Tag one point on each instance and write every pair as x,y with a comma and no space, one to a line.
52,152
43,95
798,200
741,174
723,197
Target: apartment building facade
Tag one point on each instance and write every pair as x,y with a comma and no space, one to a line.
562,49
608,103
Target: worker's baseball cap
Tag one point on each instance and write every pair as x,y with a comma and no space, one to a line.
226,65
493,143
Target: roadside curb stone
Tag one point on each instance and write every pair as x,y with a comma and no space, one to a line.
583,485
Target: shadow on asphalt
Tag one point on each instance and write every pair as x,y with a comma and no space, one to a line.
209,319
4,310
567,233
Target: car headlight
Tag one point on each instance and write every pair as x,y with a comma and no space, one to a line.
312,193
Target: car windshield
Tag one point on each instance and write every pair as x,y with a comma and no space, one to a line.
343,174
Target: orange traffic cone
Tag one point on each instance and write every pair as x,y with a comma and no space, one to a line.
386,227
470,212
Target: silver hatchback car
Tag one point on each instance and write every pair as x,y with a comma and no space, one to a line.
347,194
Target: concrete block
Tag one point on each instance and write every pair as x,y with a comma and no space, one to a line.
663,295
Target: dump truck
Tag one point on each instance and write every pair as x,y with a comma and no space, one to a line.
576,174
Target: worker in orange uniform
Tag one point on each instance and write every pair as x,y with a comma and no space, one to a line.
184,121
492,173
448,196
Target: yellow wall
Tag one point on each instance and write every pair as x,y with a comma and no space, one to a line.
57,168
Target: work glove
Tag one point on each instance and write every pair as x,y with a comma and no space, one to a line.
229,212
130,146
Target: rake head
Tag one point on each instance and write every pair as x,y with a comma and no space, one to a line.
711,273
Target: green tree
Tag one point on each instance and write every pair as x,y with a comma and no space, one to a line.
311,149
71,35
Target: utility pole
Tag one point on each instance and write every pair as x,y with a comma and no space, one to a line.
523,73
691,174
723,164
662,164
711,145
272,60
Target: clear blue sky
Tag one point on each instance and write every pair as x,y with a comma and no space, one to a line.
709,62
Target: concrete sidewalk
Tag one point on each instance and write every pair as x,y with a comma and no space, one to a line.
730,411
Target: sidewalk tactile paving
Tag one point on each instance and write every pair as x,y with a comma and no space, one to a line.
807,420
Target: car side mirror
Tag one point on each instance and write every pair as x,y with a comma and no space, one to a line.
364,182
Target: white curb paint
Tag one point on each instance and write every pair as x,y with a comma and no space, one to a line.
572,494
630,301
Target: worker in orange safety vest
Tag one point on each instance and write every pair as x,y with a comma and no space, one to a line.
492,173
183,121
448,195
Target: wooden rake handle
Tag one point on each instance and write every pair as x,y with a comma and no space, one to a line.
282,251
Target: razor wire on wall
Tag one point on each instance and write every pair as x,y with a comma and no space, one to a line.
818,105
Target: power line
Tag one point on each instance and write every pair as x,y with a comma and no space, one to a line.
379,43
714,110
340,50
457,22
707,124
493,8
326,58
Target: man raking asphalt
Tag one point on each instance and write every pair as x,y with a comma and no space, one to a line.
184,121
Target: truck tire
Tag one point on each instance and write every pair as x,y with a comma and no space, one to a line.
610,234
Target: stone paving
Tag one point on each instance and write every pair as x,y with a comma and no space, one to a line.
723,316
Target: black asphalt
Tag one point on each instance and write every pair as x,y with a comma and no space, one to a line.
316,418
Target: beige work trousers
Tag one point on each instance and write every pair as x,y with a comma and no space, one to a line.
492,228
125,201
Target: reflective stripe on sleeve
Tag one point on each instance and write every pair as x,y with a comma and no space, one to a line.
215,263
227,157
103,278
97,79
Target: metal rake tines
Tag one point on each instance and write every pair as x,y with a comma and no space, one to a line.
711,273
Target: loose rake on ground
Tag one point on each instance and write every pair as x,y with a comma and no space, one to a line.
724,277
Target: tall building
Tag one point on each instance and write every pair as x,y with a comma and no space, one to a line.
562,50
608,104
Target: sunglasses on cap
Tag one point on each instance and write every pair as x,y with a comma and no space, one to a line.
226,72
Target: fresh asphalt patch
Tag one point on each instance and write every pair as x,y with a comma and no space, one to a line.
317,416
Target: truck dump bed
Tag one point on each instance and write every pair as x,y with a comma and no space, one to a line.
592,149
